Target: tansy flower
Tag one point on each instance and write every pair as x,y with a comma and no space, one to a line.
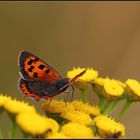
77,116
85,107
15,107
113,89
89,76
108,128
56,106
133,90
101,81
74,130
109,88
3,100
57,135
98,85
36,125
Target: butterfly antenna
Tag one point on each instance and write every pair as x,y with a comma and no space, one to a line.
77,76
86,82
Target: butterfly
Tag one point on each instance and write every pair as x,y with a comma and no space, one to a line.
39,79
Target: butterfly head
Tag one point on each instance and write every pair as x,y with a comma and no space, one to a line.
62,84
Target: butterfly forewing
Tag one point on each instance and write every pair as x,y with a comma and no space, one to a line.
33,68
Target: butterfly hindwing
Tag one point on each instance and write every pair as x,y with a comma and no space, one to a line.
24,88
38,89
33,68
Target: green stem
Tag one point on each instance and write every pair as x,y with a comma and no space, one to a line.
101,101
124,110
110,107
14,129
25,136
84,96
1,136
104,105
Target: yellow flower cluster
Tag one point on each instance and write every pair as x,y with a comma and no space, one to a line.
89,76
109,88
79,118
27,118
76,119
82,82
75,111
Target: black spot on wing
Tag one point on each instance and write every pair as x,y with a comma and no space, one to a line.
21,59
47,71
31,69
35,60
35,75
30,62
41,67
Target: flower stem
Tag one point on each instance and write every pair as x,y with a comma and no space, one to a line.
104,104
1,136
101,101
14,129
25,135
84,96
110,107
124,110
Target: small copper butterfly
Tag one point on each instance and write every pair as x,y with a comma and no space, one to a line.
40,80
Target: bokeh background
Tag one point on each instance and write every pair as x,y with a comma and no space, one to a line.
102,35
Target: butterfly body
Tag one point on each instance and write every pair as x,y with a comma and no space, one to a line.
40,80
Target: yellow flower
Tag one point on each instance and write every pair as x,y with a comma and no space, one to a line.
57,135
4,99
89,76
90,110
98,85
113,89
35,124
77,116
109,88
15,107
82,82
133,88
56,106
101,81
74,130
108,128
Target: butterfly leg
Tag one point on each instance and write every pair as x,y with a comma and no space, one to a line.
72,93
66,97
49,100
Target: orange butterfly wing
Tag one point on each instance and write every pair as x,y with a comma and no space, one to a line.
33,68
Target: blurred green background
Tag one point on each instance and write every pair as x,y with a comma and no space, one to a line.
102,35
